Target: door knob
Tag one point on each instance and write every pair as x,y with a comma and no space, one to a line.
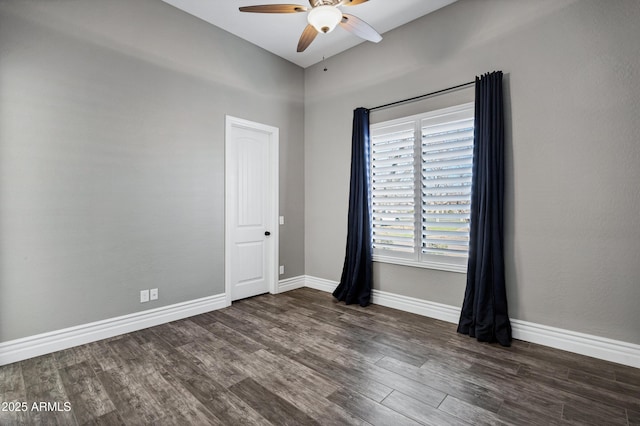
267,233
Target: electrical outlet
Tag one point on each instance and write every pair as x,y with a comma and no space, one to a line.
281,269
153,294
144,296
281,220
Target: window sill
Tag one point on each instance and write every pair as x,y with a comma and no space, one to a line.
449,267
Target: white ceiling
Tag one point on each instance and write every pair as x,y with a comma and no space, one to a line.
279,33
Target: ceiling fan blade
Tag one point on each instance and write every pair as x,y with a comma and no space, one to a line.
352,2
308,35
274,8
357,26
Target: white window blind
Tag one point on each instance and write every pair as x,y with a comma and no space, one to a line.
447,159
421,188
393,188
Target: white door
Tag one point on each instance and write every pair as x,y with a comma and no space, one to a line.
251,185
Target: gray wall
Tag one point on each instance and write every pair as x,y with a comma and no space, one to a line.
573,150
112,155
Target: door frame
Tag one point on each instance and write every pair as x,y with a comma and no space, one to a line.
273,241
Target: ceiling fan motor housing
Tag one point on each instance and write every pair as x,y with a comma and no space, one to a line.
316,3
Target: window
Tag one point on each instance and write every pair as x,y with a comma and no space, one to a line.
421,188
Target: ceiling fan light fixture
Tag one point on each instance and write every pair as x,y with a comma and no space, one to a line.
324,18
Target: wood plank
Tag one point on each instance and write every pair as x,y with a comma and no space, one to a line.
178,404
203,319
12,390
329,344
11,382
628,390
15,417
318,298
587,413
626,374
233,338
232,410
521,393
368,410
270,405
104,356
444,355
364,385
390,351
406,385
40,374
217,363
75,355
110,419
44,385
271,370
256,331
419,411
133,402
465,390
360,339
190,375
517,353
182,332
320,409
295,305
599,394
127,348
574,361
302,341
258,318
530,412
86,393
470,413
295,372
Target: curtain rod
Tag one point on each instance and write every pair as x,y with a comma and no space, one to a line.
415,98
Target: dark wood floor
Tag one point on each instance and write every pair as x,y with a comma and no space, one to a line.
300,359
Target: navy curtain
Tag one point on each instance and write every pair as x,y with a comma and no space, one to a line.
356,281
484,311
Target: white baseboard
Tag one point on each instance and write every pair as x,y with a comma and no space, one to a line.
320,284
40,344
571,341
585,344
391,300
290,284
417,306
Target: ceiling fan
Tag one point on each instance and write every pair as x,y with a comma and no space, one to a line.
323,17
